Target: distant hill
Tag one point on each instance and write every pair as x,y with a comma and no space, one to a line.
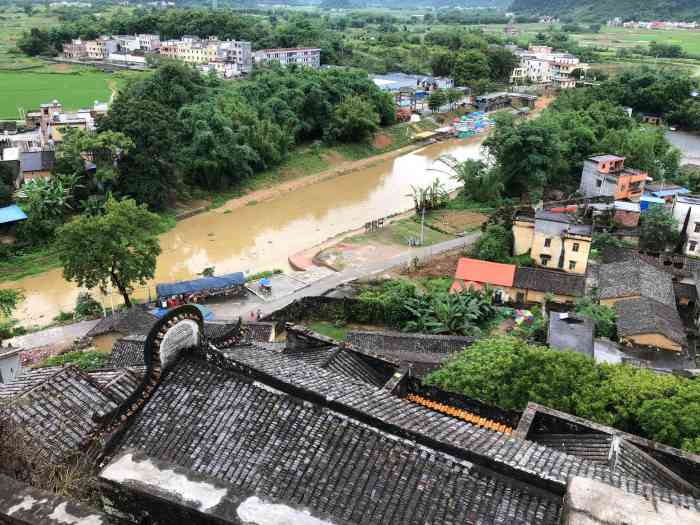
605,9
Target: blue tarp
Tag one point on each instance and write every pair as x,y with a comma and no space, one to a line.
207,314
199,285
669,193
12,213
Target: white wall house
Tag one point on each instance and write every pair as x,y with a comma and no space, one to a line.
686,210
307,56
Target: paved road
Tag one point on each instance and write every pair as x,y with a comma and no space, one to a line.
63,336
225,311
59,336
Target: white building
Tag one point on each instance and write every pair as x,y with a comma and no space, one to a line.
686,210
307,56
541,65
148,42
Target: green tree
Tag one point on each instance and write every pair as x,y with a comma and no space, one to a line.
436,100
501,63
47,200
35,42
119,247
509,373
453,95
494,244
442,63
9,300
354,120
658,229
470,66
479,183
603,316
527,154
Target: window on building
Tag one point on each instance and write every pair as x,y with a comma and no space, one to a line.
575,247
598,183
692,245
572,265
547,243
520,297
544,259
697,227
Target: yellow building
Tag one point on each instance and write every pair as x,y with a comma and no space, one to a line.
537,285
553,240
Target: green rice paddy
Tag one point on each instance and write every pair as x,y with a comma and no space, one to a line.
28,89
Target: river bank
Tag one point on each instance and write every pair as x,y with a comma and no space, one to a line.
260,230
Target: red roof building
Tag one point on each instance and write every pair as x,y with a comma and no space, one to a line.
476,274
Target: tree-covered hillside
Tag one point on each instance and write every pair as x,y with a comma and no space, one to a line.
606,9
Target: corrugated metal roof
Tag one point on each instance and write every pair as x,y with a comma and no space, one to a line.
12,213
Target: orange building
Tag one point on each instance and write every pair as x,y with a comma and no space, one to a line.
606,175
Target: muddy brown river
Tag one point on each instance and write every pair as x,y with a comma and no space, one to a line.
262,236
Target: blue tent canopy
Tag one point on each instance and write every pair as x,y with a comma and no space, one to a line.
200,285
207,314
12,213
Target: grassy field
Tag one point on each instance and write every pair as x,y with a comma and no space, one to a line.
13,22
620,37
28,89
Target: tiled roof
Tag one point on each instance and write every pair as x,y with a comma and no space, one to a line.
57,414
485,272
118,383
399,342
25,380
622,279
647,316
127,351
630,456
257,331
260,442
421,352
135,320
380,407
342,360
605,158
550,281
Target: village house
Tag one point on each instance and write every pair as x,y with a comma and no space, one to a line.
606,175
75,50
644,301
520,285
475,274
306,56
664,190
686,211
553,240
228,58
541,65
216,429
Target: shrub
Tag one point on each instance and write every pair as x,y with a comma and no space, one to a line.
509,372
86,307
88,360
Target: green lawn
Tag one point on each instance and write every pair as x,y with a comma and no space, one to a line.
399,232
329,330
28,89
